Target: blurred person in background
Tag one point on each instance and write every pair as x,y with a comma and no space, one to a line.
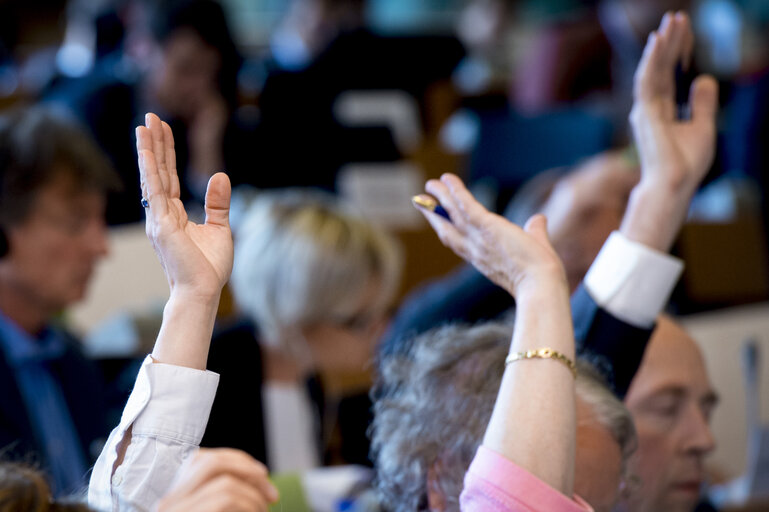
180,60
671,401
53,186
314,282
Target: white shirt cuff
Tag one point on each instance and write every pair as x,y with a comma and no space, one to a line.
632,281
181,400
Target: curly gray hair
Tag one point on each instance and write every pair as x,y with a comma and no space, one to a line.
433,403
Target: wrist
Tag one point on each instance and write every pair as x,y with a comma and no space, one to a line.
191,297
545,284
655,213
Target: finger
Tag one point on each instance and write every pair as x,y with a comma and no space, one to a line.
679,26
536,226
644,76
154,192
221,494
441,192
143,143
211,463
447,233
218,195
174,189
158,147
466,203
703,97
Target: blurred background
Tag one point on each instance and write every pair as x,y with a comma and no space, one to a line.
369,98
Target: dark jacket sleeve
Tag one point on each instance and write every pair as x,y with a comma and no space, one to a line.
614,346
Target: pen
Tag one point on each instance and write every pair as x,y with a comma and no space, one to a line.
431,204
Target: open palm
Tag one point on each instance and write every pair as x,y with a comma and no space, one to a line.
196,258
671,147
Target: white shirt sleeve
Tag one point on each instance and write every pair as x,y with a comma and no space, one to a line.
167,414
632,281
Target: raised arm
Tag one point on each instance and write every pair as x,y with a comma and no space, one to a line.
166,414
196,258
675,153
535,405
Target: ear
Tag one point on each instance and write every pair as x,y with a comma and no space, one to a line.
436,500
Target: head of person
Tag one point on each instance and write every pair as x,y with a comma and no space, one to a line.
196,56
316,278
671,400
22,488
432,407
582,207
53,186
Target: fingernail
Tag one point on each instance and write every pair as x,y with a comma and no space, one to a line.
147,119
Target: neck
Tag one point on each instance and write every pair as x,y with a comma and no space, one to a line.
281,367
22,309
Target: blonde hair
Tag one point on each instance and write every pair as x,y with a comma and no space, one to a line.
301,258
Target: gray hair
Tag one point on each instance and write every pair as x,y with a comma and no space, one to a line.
302,258
421,400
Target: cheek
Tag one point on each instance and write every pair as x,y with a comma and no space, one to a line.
652,458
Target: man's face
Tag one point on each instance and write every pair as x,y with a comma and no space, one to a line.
54,250
671,400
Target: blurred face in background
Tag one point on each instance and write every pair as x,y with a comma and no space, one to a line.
54,250
671,400
347,345
186,75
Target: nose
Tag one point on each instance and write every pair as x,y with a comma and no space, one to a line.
97,240
699,438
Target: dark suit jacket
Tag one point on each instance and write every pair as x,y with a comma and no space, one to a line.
83,390
466,296
237,415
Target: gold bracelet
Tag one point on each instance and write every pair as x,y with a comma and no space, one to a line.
543,353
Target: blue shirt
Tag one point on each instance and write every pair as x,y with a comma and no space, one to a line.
30,359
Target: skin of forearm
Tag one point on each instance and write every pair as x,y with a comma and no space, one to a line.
185,335
534,420
655,213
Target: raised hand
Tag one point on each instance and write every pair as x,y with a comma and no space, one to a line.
675,154
511,257
197,258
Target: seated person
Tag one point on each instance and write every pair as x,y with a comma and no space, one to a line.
186,67
314,282
671,400
424,447
53,186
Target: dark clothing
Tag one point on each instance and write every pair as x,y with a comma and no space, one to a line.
83,390
237,415
466,296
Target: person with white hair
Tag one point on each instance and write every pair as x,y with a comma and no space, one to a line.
313,280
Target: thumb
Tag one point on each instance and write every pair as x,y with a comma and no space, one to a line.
704,98
536,226
218,200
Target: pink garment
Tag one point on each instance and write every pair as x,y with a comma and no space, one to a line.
496,484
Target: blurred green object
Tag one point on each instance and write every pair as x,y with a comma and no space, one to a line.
292,497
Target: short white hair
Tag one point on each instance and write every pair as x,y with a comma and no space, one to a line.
302,257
